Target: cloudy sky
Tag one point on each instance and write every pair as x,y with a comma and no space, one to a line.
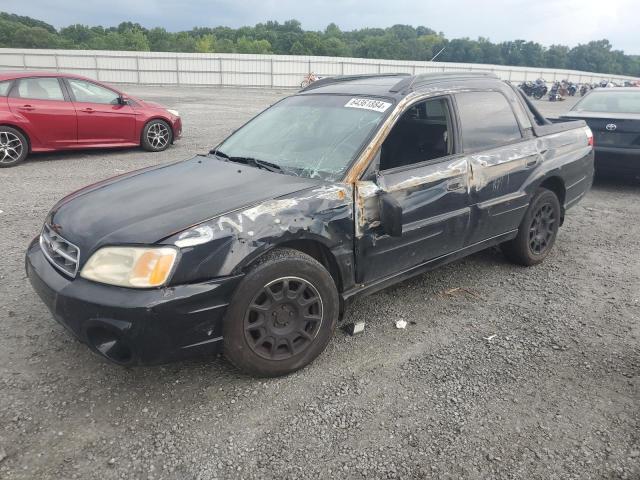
545,21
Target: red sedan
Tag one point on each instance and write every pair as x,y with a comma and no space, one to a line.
44,112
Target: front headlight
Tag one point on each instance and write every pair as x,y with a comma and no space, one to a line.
134,267
175,113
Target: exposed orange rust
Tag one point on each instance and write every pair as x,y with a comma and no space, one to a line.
361,164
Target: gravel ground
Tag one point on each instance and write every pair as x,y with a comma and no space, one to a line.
518,374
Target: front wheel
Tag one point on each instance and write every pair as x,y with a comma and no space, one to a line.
14,147
156,136
537,232
282,315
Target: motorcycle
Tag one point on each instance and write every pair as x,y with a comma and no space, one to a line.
527,88
539,91
536,90
309,79
572,88
555,92
583,90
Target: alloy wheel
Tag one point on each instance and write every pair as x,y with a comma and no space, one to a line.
542,229
283,318
158,135
11,147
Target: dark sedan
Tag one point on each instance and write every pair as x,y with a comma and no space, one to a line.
613,114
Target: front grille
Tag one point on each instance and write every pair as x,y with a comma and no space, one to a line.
62,254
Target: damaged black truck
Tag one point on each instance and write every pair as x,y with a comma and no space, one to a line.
351,185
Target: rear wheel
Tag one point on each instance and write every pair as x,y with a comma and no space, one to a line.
282,314
156,136
14,147
537,232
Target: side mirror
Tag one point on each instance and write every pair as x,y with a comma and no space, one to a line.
123,100
390,215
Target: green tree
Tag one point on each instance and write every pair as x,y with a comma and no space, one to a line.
556,56
225,45
205,44
160,40
298,49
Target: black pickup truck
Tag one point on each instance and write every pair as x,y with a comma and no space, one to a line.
351,185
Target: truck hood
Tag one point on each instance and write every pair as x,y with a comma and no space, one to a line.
146,206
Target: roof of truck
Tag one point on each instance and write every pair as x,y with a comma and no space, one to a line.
391,84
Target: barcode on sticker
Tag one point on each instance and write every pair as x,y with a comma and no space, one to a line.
368,104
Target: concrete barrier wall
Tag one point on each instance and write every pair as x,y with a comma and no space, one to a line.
221,69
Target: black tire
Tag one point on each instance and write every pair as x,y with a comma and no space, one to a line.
14,147
157,135
537,232
277,333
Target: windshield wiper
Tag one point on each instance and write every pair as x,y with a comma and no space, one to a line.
254,162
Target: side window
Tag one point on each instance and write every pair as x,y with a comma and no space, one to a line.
39,88
487,120
421,134
519,110
4,88
92,93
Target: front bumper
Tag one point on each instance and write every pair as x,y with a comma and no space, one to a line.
177,128
624,161
134,327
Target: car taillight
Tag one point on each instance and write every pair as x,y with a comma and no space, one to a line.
589,133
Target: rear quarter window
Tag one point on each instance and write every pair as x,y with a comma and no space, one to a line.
39,88
4,88
487,120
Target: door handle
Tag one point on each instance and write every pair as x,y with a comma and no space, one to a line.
455,185
88,110
27,107
532,162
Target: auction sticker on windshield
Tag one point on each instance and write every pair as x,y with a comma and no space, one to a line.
368,104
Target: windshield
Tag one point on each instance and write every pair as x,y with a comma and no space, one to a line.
610,101
315,136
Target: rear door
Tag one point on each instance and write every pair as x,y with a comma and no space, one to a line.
102,119
50,116
502,156
419,167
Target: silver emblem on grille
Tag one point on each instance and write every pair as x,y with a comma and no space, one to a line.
611,127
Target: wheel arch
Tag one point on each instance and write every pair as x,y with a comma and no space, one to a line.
157,117
556,184
313,247
21,130
317,250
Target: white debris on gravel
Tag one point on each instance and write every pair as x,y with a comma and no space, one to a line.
401,324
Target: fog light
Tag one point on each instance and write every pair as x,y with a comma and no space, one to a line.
110,345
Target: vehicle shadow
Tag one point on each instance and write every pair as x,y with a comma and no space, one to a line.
617,183
76,154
